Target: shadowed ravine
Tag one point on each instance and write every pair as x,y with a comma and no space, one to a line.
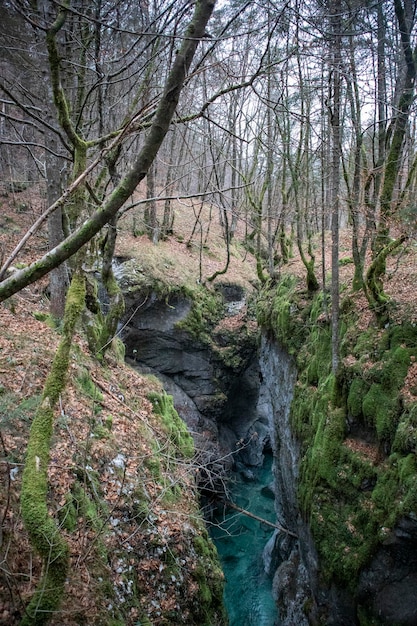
240,541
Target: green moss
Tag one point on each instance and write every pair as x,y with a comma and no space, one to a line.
43,531
172,493
116,308
206,310
397,369
403,334
405,440
231,357
319,355
153,464
382,405
357,391
88,387
385,496
349,499
210,580
80,504
365,344
356,469
204,546
86,506
68,514
278,310
345,535
108,422
409,502
332,436
379,410
300,413
140,504
101,432
322,462
340,515
41,316
11,409
118,349
176,429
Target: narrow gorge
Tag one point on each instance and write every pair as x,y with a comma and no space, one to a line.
208,316
322,465
246,391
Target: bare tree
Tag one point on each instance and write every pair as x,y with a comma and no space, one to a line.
43,531
396,133
109,206
335,104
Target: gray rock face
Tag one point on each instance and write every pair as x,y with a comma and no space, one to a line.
212,398
291,589
295,560
234,415
278,379
386,592
388,586
152,340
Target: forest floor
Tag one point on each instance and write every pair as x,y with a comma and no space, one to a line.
27,345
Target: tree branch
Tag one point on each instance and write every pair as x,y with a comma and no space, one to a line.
159,128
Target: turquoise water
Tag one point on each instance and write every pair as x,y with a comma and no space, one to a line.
240,541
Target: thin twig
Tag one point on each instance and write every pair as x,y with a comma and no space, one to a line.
259,519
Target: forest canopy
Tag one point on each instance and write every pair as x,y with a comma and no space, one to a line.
297,117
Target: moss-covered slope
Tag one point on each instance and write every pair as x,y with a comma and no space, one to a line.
120,487
358,429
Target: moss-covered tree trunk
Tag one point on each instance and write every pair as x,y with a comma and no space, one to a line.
115,296
382,247
157,132
375,293
43,532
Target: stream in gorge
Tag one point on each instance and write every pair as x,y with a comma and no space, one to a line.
222,406
240,541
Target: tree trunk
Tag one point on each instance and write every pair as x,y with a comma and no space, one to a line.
377,297
58,278
160,124
43,531
167,228
150,218
336,149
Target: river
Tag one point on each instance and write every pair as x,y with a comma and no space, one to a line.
240,541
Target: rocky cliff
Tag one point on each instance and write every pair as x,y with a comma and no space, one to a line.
344,446
346,476
203,346
121,490
291,560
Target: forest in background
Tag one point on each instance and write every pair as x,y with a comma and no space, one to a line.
294,119
297,117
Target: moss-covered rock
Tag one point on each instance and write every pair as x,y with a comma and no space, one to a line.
357,391
405,440
210,580
207,308
175,427
278,310
350,491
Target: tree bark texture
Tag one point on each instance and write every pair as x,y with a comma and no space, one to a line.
43,532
